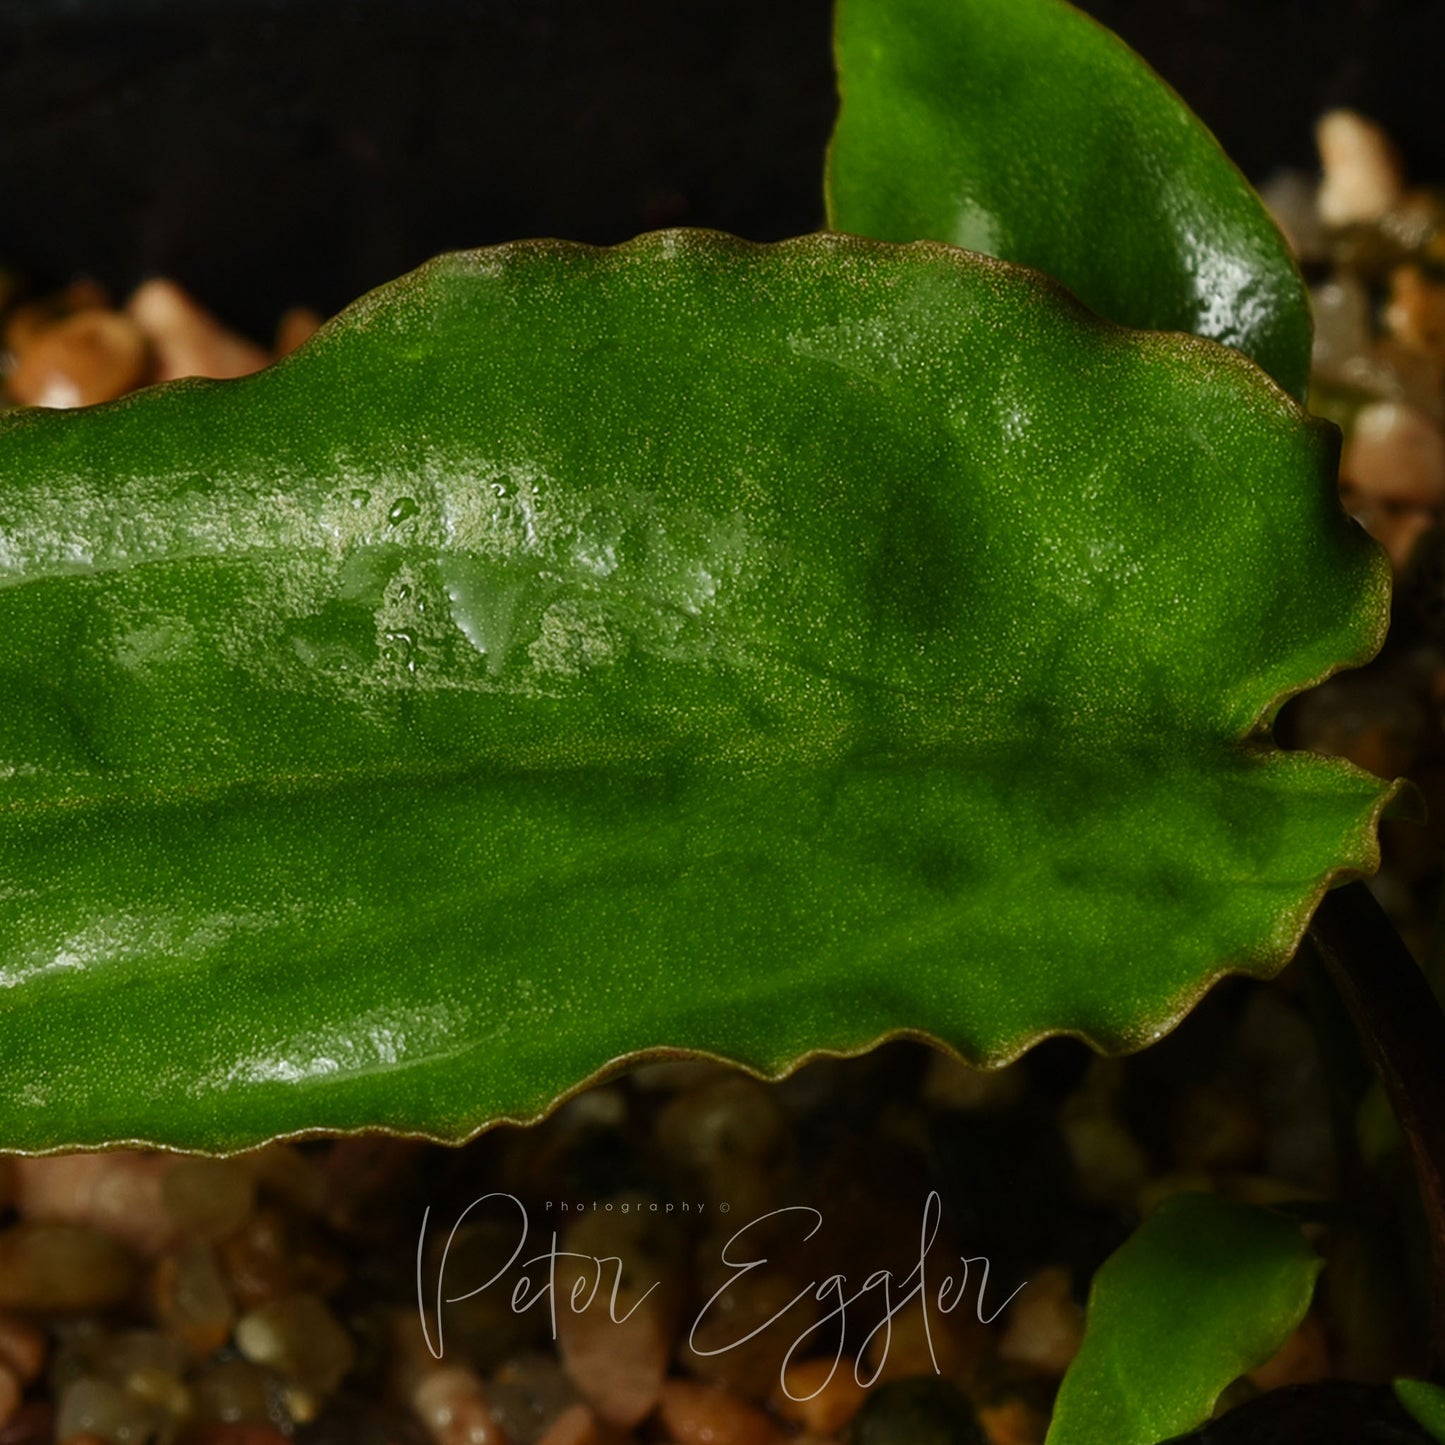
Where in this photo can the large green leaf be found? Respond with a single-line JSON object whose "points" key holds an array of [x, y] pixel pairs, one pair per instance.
{"points": [[573, 652], [1205, 1289], [1024, 129]]}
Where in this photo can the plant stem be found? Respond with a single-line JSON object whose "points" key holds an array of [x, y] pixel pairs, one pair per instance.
{"points": [[1403, 1030]]}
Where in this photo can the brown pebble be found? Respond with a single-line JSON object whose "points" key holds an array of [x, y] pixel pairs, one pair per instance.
{"points": [[26, 322], [276, 1254], [236, 1434], [1216, 1128], [23, 1347], [62, 1268], [1013, 1422], [1045, 1325], [1303, 1359], [208, 1199], [12, 1392], [32, 1424], [190, 1299], [1398, 529], [117, 1192], [90, 357], [452, 1403], [951, 1343], [1362, 174], [1395, 453], [186, 339], [822, 1395], [1415, 313], [695, 1414], [296, 326]]}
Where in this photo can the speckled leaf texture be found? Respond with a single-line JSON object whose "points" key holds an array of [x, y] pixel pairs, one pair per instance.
{"points": [[1204, 1290], [1024, 129], [574, 653]]}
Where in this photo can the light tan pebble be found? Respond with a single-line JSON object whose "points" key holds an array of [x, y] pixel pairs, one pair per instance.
{"points": [[1395, 453], [1110, 1162], [1292, 199], [209, 1199], [1362, 175], [299, 1337], [296, 326], [1303, 1359], [62, 1268], [1415, 313], [1216, 1128], [1013, 1422], [694, 1414], [822, 1395], [951, 1343], [12, 1393], [190, 1300], [951, 1084], [578, 1425], [90, 357], [1045, 1325], [94, 1405], [23, 1347], [451, 1403], [186, 339], [117, 1192], [618, 1367], [1343, 329]]}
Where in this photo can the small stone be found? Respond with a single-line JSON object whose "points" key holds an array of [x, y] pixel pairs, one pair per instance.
{"points": [[452, 1403], [952, 1084], [12, 1392], [1110, 1162], [1343, 330], [103, 1408], [90, 357], [822, 1395], [123, 1356], [618, 1367], [60, 1268], [186, 339], [1045, 1325], [117, 1192], [1013, 1421], [190, 1299], [288, 1175], [233, 1392], [23, 1347], [1415, 313], [1303, 1359], [696, 1414], [527, 1395], [208, 1199], [275, 1254], [925, 1411], [579, 1426], [951, 1343], [300, 1338], [32, 1424], [1362, 175], [1400, 530], [732, 1136], [252, 1432], [1292, 199], [1216, 1128], [296, 326], [1396, 453]]}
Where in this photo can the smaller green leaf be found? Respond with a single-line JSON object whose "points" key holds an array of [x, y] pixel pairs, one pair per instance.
{"points": [[1026, 130], [1205, 1289], [1425, 1402]]}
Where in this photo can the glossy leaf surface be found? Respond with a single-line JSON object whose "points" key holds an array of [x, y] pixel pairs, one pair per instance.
{"points": [[573, 653], [1204, 1290], [1024, 129], [1425, 1402]]}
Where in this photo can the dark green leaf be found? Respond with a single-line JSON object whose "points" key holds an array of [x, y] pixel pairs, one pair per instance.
{"points": [[1204, 1290], [574, 653], [1024, 129]]}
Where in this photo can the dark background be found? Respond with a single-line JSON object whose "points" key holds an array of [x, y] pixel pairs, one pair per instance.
{"points": [[271, 152]]}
